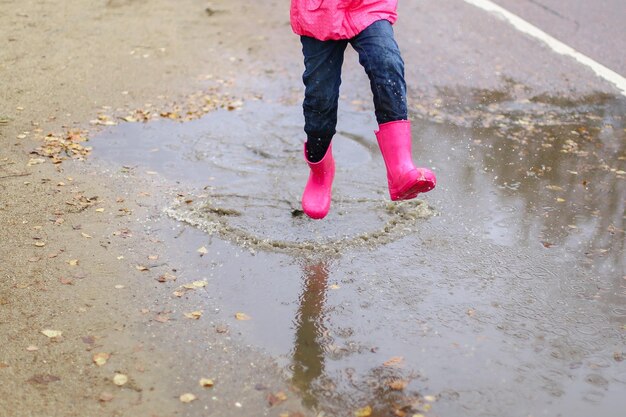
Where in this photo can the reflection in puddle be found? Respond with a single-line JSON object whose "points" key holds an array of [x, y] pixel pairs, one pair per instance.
{"points": [[511, 298], [308, 351]]}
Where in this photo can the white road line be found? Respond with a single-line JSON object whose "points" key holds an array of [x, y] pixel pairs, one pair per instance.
{"points": [[556, 45]]}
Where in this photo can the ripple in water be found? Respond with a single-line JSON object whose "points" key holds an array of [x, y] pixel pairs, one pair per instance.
{"points": [[275, 225]]}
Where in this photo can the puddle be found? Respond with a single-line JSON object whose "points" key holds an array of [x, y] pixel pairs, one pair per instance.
{"points": [[502, 292]]}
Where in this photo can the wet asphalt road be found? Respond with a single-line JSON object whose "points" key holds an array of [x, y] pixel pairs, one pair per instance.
{"points": [[595, 29], [500, 293]]}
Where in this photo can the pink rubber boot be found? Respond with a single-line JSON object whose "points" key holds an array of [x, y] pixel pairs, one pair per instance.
{"points": [[317, 193], [405, 181]]}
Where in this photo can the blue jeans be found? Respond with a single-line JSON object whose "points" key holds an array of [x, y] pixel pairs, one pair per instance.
{"points": [[380, 56]]}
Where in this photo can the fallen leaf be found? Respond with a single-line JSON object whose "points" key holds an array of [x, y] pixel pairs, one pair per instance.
{"points": [[85, 235], [187, 398], [166, 277], [554, 188], [32, 348], [105, 397], [120, 379], [100, 210], [153, 257], [124, 233], [43, 379], [119, 287], [178, 293], [194, 315], [66, 281], [142, 268], [221, 329], [206, 382], [397, 384], [203, 251], [35, 161], [396, 360], [430, 398], [101, 358], [242, 316], [334, 287], [40, 244], [196, 284], [52, 333], [277, 398], [363, 412], [162, 318], [73, 262]]}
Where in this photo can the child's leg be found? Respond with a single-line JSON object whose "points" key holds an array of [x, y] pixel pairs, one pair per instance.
{"points": [[322, 78], [380, 56]]}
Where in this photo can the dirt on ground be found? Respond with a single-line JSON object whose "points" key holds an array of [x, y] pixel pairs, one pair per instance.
{"points": [[82, 333]]}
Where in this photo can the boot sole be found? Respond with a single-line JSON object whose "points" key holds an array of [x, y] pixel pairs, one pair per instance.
{"points": [[413, 190]]}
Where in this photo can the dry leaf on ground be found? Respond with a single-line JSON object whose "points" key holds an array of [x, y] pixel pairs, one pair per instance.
{"points": [[166, 277], [363, 412], [397, 384], [194, 315], [187, 398], [206, 382], [52, 333], [195, 285], [277, 398], [100, 358], [394, 361], [242, 316], [162, 318], [120, 379]]}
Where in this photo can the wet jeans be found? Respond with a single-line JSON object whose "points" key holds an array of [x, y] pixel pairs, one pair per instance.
{"points": [[379, 55]]}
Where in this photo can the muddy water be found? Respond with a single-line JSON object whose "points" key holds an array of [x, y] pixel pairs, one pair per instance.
{"points": [[502, 292]]}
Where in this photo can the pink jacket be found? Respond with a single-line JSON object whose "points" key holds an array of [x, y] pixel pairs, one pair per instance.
{"points": [[339, 19]]}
